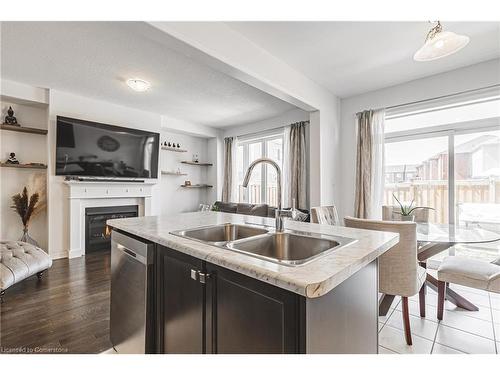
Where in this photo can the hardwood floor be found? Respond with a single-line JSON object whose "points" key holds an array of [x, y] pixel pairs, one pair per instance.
{"points": [[65, 312]]}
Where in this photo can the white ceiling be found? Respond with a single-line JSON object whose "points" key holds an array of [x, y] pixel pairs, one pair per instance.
{"points": [[95, 58], [350, 58]]}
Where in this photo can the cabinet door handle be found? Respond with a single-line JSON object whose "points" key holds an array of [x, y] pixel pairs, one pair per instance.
{"points": [[200, 276], [194, 275], [203, 277]]}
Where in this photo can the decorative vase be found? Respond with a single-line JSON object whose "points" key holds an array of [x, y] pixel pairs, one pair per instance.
{"points": [[27, 238], [407, 217]]}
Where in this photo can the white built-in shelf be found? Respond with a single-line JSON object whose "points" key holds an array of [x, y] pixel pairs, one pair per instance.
{"points": [[194, 163], [175, 149], [24, 166], [23, 129], [197, 186], [173, 173], [40, 102]]}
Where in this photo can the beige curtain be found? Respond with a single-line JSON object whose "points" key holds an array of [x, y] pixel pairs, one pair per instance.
{"points": [[369, 164], [227, 186], [296, 162]]}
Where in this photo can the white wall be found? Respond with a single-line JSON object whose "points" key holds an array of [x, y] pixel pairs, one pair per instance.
{"points": [[226, 50], [468, 78]]}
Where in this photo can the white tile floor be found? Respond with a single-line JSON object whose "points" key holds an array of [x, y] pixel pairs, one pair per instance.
{"points": [[459, 332]]}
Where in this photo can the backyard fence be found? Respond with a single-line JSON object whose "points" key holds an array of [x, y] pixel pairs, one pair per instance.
{"points": [[434, 193]]}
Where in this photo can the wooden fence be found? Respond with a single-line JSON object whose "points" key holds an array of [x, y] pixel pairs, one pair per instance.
{"points": [[255, 197], [434, 193]]}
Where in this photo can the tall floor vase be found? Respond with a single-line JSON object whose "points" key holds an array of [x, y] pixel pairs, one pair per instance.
{"points": [[27, 238]]}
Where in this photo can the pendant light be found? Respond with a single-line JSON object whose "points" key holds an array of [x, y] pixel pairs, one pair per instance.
{"points": [[439, 43]]}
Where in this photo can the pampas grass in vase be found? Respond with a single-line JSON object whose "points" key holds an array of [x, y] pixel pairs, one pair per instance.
{"points": [[26, 207]]}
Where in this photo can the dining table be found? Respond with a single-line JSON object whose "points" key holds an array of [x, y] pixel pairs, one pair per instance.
{"points": [[433, 239]]}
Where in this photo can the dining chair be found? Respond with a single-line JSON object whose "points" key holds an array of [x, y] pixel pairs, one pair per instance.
{"points": [[325, 215], [392, 213], [399, 272], [468, 272]]}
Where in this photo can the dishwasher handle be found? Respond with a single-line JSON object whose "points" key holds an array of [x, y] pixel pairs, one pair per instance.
{"points": [[132, 247], [132, 254]]}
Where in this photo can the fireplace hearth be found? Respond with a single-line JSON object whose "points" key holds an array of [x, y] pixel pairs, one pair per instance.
{"points": [[97, 233]]}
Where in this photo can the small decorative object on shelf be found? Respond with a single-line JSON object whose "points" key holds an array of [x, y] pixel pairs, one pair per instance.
{"points": [[10, 119], [169, 144], [12, 159], [187, 183], [27, 207], [165, 143], [195, 158], [178, 145]]}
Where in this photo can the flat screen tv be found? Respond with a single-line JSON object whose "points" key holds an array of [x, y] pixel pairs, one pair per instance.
{"points": [[85, 148]]}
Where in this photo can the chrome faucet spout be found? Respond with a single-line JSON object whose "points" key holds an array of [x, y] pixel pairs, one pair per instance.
{"points": [[280, 214], [251, 167]]}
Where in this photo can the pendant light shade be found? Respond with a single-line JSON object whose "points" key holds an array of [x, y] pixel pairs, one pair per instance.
{"points": [[440, 44]]}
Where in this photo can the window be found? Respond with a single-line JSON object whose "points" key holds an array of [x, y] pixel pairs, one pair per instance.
{"points": [[448, 159], [263, 182]]}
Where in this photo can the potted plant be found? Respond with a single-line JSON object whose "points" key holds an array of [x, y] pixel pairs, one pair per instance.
{"points": [[26, 207], [407, 211]]}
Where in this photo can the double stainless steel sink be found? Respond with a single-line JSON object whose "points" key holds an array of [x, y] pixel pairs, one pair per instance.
{"points": [[290, 248]]}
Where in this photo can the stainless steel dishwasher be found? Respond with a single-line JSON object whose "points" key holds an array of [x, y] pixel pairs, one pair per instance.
{"points": [[131, 317]]}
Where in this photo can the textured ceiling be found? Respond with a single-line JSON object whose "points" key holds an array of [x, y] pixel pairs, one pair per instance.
{"points": [[95, 58], [350, 58]]}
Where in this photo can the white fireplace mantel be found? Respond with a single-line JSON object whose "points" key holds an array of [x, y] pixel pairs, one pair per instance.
{"points": [[83, 194]]}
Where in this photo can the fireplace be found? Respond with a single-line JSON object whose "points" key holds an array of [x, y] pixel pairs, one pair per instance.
{"points": [[97, 233]]}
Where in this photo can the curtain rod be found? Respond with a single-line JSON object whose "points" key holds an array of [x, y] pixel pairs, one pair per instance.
{"points": [[439, 97]]}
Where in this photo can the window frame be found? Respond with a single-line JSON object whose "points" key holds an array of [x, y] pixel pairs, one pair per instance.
{"points": [[261, 138]]}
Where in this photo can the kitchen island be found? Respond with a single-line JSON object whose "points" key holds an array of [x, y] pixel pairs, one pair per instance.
{"points": [[204, 298]]}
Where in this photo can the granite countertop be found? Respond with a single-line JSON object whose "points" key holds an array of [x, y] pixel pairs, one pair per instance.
{"points": [[311, 280]]}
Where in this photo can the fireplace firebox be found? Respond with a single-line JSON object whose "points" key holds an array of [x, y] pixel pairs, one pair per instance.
{"points": [[97, 233]]}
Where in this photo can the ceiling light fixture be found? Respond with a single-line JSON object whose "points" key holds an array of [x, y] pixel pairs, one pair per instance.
{"points": [[139, 85], [439, 43]]}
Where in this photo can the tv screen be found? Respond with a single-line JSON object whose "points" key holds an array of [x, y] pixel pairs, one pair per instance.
{"points": [[85, 148]]}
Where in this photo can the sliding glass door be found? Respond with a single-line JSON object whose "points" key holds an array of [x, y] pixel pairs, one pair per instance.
{"points": [[448, 159], [417, 169], [477, 188]]}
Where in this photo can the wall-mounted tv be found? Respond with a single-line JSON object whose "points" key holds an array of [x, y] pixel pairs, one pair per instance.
{"points": [[85, 148]]}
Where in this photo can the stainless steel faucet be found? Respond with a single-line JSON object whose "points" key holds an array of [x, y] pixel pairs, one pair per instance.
{"points": [[280, 214]]}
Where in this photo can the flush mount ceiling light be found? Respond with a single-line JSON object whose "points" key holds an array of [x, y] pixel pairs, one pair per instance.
{"points": [[139, 85], [439, 43]]}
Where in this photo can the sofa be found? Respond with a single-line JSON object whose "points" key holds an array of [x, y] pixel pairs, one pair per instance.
{"points": [[262, 210], [20, 260]]}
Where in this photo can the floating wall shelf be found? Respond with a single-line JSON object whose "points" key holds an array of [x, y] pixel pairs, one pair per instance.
{"points": [[197, 186], [173, 173], [175, 149], [25, 166], [23, 129], [194, 163]]}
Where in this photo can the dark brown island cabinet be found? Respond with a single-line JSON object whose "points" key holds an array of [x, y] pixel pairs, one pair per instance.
{"points": [[200, 307]]}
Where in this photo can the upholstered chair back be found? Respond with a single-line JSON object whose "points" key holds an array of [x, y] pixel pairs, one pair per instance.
{"points": [[398, 268], [325, 215], [391, 213]]}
